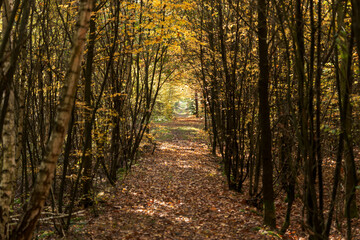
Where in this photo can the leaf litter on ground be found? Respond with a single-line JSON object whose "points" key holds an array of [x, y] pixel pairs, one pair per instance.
{"points": [[179, 192]]}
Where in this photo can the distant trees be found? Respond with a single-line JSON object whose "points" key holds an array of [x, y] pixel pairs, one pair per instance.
{"points": [[310, 119], [45, 176], [279, 82], [98, 104]]}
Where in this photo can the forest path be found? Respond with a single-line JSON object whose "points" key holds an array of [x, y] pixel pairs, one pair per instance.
{"points": [[178, 192]]}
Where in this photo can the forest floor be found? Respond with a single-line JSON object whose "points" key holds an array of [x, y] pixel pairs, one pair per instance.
{"points": [[178, 192]]}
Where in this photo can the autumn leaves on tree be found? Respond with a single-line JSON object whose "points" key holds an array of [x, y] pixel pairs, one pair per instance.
{"points": [[276, 82], [303, 106]]}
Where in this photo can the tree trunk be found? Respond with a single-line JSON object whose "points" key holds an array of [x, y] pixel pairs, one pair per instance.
{"points": [[345, 48], [12, 130], [8, 171], [264, 119], [356, 23], [45, 175], [196, 104], [7, 166], [87, 152]]}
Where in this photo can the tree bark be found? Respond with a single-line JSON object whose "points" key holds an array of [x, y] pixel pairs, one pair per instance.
{"points": [[196, 104], [7, 166], [87, 152], [45, 176], [356, 22], [345, 49], [12, 133], [264, 118], [8, 171]]}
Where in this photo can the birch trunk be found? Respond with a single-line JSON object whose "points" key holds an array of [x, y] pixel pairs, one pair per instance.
{"points": [[8, 166], [8, 170]]}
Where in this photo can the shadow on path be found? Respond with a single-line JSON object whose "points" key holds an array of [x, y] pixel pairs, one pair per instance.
{"points": [[177, 193]]}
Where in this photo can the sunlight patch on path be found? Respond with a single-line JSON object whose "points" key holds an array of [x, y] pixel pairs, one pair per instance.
{"points": [[178, 193]]}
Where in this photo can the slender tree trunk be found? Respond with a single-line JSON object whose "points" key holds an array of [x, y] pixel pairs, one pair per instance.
{"points": [[345, 50], [67, 150], [87, 152], [229, 148], [264, 118], [196, 104], [318, 113], [356, 22], [8, 165], [8, 171], [12, 130], [45, 175]]}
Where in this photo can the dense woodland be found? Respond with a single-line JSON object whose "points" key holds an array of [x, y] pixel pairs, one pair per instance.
{"points": [[276, 82]]}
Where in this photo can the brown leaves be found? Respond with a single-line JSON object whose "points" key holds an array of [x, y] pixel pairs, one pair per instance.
{"points": [[178, 193]]}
